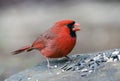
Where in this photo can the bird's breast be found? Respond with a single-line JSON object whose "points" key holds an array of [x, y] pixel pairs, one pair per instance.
{"points": [[66, 44]]}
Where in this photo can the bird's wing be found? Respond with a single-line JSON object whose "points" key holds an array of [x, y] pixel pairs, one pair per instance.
{"points": [[43, 39]]}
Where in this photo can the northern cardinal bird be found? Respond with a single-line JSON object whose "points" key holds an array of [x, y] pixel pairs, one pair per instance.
{"points": [[56, 42]]}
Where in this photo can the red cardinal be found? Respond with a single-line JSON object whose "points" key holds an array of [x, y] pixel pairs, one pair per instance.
{"points": [[56, 42]]}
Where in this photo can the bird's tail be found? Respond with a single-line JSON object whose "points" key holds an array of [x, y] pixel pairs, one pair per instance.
{"points": [[26, 48]]}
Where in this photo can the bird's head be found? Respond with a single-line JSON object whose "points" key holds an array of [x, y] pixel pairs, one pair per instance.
{"points": [[71, 25]]}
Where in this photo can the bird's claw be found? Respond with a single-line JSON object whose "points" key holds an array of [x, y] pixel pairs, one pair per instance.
{"points": [[52, 67]]}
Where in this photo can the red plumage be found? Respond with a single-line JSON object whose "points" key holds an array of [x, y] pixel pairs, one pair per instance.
{"points": [[56, 42]]}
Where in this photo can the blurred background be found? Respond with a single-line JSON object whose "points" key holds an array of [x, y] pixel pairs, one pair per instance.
{"points": [[22, 21]]}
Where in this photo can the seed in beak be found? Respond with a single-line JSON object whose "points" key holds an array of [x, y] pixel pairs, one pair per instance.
{"points": [[76, 28]]}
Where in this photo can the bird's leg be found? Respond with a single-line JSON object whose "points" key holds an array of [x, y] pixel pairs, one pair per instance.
{"points": [[48, 64], [68, 58]]}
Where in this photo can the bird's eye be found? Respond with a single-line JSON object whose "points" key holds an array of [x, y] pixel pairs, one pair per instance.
{"points": [[71, 24]]}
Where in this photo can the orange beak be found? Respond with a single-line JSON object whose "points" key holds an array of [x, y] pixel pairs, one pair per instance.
{"points": [[76, 28]]}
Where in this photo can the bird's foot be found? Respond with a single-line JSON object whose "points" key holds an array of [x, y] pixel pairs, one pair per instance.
{"points": [[52, 67]]}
